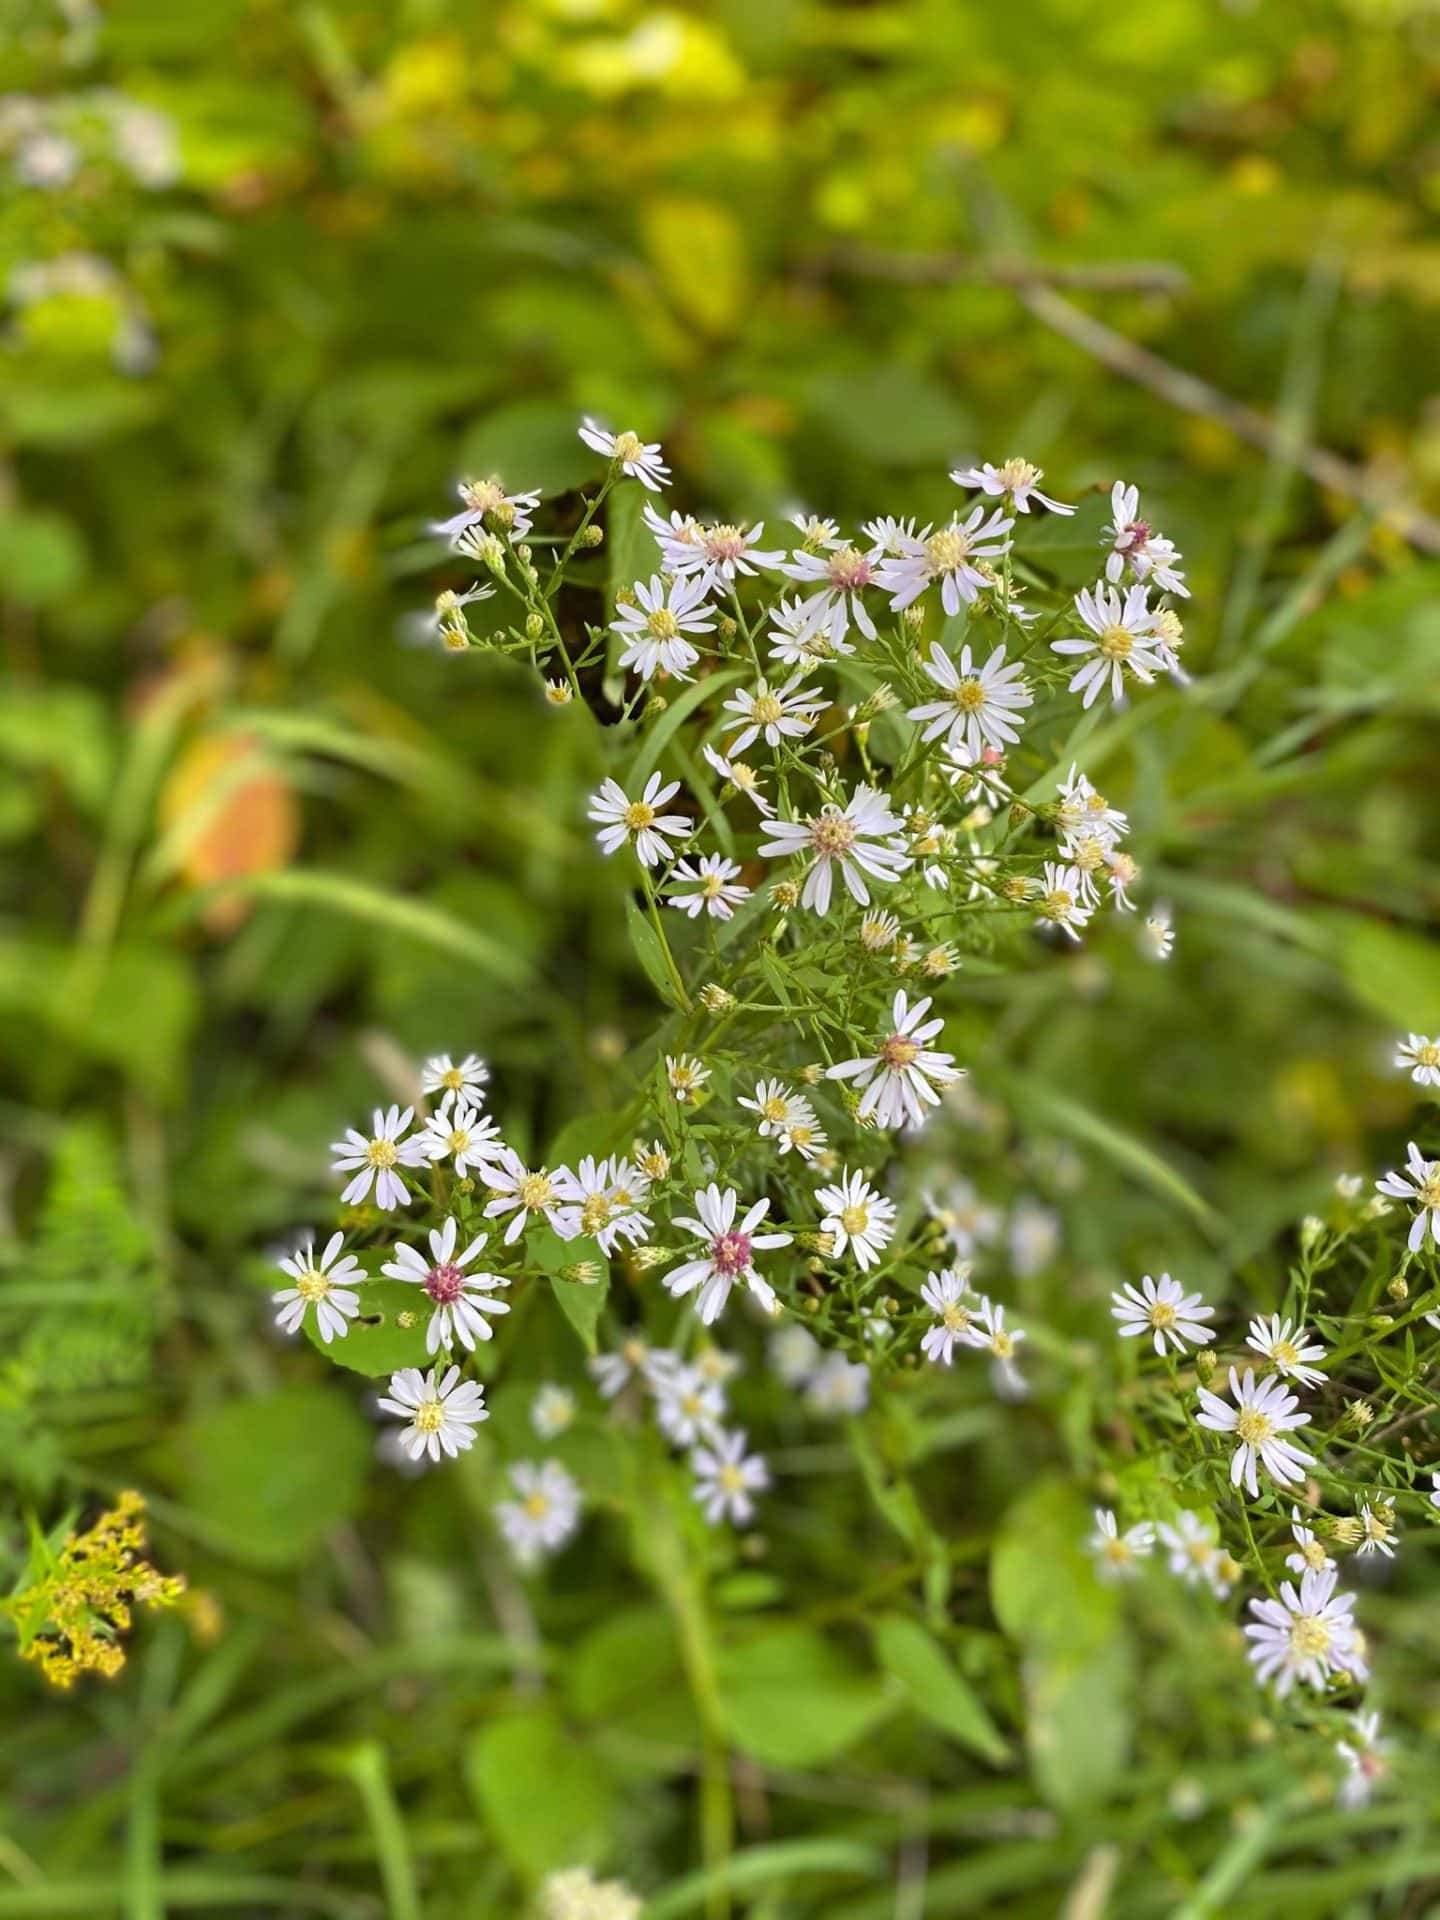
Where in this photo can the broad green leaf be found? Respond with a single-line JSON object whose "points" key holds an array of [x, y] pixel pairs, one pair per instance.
{"points": [[132, 1007], [648, 950], [679, 709], [581, 1301], [42, 557], [1393, 972], [934, 1687], [1042, 1585], [626, 1676], [1078, 1721], [697, 248], [546, 1798], [791, 1698], [388, 1334]]}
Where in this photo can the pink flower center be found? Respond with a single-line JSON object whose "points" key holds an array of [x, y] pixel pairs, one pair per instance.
{"points": [[1137, 533], [730, 1253], [444, 1284], [850, 569], [899, 1051]]}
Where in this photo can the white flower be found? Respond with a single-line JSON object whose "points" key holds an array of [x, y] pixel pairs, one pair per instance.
{"points": [[838, 1387], [901, 1077], [979, 704], [786, 715], [441, 1416], [796, 638], [1364, 1756], [1422, 1189], [1063, 898], [1157, 935], [623, 819], [863, 838], [523, 1193], [730, 1253], [378, 1157], [686, 1076], [794, 1354], [959, 556], [978, 773], [1165, 1310], [726, 1477], [1126, 640], [558, 693], [441, 1075], [688, 1407], [1420, 1058], [467, 1137], [633, 1359], [638, 458], [716, 891], [1283, 1344], [718, 553], [1303, 1636], [326, 1284], [786, 1118], [552, 1410], [487, 504], [802, 1133], [1016, 481], [742, 777], [1260, 1416], [601, 1199], [654, 631], [1380, 1529], [1435, 1483], [858, 1216], [1084, 811], [545, 1513], [1149, 556], [1309, 1550], [878, 931], [1192, 1546], [1002, 1344], [1034, 1236], [575, 1894], [461, 1299], [839, 576], [968, 1222], [446, 623], [1117, 1555], [950, 1299]]}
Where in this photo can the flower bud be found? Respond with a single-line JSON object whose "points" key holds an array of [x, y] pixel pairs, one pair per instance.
{"points": [[1312, 1230], [1344, 1528], [592, 536], [914, 617], [785, 894], [1204, 1366], [558, 693], [654, 706], [1399, 1288], [715, 999], [1017, 888], [880, 701], [727, 627], [1359, 1414], [534, 625], [642, 1259], [811, 1074], [625, 597]]}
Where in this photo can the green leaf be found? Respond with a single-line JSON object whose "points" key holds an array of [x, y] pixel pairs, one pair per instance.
{"points": [[547, 1799], [42, 557], [754, 1867], [626, 1675], [377, 1343], [649, 951], [1394, 973], [581, 1301], [935, 1689], [1078, 1722], [791, 1699], [1042, 1585], [647, 756], [132, 1007]]}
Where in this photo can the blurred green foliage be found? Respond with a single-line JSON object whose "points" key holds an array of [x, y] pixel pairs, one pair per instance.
{"points": [[258, 854]]}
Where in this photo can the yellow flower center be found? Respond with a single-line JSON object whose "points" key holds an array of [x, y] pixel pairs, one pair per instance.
{"points": [[381, 1153], [1285, 1353], [537, 1505], [1017, 473], [801, 1136], [1162, 1315], [767, 710], [1309, 1637], [662, 625], [955, 1319], [899, 1050], [312, 1285], [430, 1416], [534, 1191], [1117, 1551], [711, 886], [1313, 1554], [452, 1080], [1428, 1192], [855, 1219], [1116, 643], [458, 1141], [832, 833], [774, 1109], [969, 696], [947, 549], [628, 445], [1002, 1346], [595, 1212], [638, 815], [731, 1479], [1059, 904], [1253, 1427]]}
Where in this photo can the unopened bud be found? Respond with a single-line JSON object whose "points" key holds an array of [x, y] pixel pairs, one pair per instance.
{"points": [[1205, 1365], [810, 1304], [1312, 1229], [654, 706], [625, 597], [642, 1259], [890, 1306], [527, 554], [1017, 888], [1345, 1529], [1359, 1414], [811, 1074], [878, 702], [728, 628], [817, 1242], [715, 998], [1382, 1322], [534, 625], [914, 617], [1399, 1288], [592, 536], [586, 1272], [785, 894]]}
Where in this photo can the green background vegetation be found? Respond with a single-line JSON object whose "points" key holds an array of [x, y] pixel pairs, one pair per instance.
{"points": [[258, 853]]}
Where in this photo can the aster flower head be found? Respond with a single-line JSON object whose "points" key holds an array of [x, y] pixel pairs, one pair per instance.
{"points": [[1283, 1344], [1306, 1634], [860, 1218], [621, 819], [794, 1353], [1364, 1755], [463, 1301], [326, 1283], [552, 1411], [967, 1221], [688, 1406], [1125, 641], [838, 1388], [1192, 1546], [446, 625], [774, 1107], [1134, 544], [1118, 1555], [742, 776], [729, 1253], [864, 839], [1309, 1554], [1419, 1185], [978, 704], [1420, 1058], [1377, 1521], [633, 1359], [638, 459], [800, 636], [1082, 810], [727, 1478], [788, 714], [719, 553], [654, 630], [463, 1135], [1065, 899], [1157, 934], [524, 1193], [440, 1412], [379, 1158], [949, 1297], [900, 1079], [1259, 1419], [601, 1199], [977, 774], [686, 1076], [468, 1077], [544, 1513], [959, 555], [1015, 481], [837, 577], [1002, 1343], [1163, 1309], [709, 885], [486, 504]]}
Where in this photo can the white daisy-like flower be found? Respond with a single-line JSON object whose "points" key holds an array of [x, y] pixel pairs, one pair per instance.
{"points": [[720, 552], [440, 1074], [1163, 1309], [1084, 811], [1002, 1343], [798, 639], [379, 1157], [1062, 900], [576, 1894], [633, 1359], [1157, 935], [967, 1221], [729, 1255], [838, 1388], [727, 1478], [863, 838], [654, 631], [979, 774], [1377, 1518], [786, 715], [1135, 544], [708, 885], [487, 504], [1420, 1186], [1259, 1419], [959, 555], [815, 530], [1192, 1546], [802, 1133], [544, 1513], [463, 1135], [688, 1407], [879, 931], [1309, 1548], [639, 459], [1420, 1058], [327, 1284], [794, 1353], [1304, 1635], [900, 1079], [461, 1300], [602, 1199], [887, 535], [1283, 1344], [1122, 873], [445, 624], [1016, 481], [1126, 640], [949, 1297], [860, 1218], [622, 819], [742, 777], [441, 1415], [552, 1411], [1034, 1237], [525, 1193], [1364, 1757], [979, 704], [1118, 1555], [774, 1105], [838, 578], [686, 1076]]}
